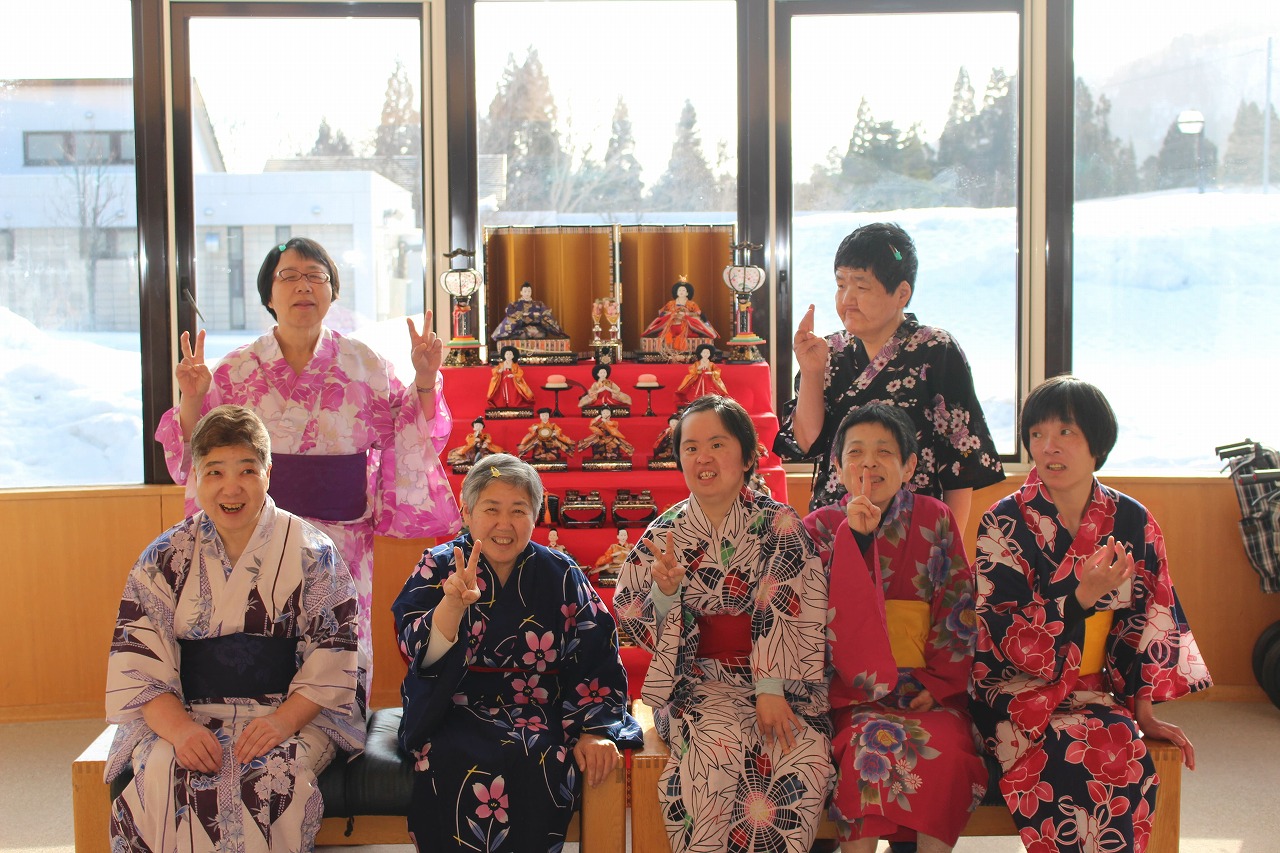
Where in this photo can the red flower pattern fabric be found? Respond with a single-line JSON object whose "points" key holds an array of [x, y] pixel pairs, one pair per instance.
{"points": [[1077, 776]]}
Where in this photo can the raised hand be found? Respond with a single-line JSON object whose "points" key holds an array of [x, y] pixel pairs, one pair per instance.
{"points": [[810, 349], [1105, 570], [461, 586], [864, 516], [668, 574], [427, 351], [193, 375]]}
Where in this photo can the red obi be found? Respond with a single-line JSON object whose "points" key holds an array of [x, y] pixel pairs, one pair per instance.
{"points": [[724, 637]]}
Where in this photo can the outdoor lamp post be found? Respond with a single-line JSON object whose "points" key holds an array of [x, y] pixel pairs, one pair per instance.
{"points": [[1192, 122]]}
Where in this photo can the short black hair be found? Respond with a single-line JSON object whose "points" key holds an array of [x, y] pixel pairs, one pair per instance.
{"points": [[735, 420], [888, 416], [309, 249], [542, 409], [1073, 401], [478, 421], [885, 249]]}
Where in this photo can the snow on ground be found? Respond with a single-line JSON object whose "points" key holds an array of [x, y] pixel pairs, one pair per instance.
{"points": [[1175, 294]]}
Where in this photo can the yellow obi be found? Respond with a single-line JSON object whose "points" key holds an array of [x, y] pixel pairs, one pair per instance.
{"points": [[1096, 630], [909, 624]]}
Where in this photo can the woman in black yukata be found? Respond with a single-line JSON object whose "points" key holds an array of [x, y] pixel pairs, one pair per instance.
{"points": [[885, 355], [515, 688]]}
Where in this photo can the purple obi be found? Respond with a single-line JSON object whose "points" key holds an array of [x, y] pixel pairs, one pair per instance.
{"points": [[330, 488]]}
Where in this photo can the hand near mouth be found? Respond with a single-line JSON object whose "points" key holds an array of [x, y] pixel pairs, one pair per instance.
{"points": [[864, 516]]}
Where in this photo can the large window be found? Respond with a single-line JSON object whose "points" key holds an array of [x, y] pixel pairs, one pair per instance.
{"points": [[932, 145], [606, 111], [1174, 273], [330, 150], [70, 377]]}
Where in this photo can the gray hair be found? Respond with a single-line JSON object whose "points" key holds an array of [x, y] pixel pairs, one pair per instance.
{"points": [[505, 468], [230, 426]]}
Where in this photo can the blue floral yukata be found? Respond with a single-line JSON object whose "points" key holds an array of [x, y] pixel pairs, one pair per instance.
{"points": [[492, 724]]}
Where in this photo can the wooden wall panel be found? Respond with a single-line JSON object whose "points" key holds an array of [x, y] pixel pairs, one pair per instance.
{"points": [[67, 555], [68, 552]]}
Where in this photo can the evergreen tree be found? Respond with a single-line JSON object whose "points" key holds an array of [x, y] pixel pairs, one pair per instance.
{"points": [[330, 144], [400, 130], [994, 159], [1176, 165], [614, 185], [1242, 163], [957, 137], [688, 184], [521, 126], [1103, 166]]}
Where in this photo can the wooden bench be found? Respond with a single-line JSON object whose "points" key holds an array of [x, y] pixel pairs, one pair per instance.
{"points": [[372, 781], [649, 833]]}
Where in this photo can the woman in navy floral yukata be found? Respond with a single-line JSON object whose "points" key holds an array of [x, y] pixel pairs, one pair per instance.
{"points": [[1079, 634]]}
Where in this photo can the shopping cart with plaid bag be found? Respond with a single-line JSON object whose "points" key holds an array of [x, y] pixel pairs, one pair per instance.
{"points": [[1255, 471]]}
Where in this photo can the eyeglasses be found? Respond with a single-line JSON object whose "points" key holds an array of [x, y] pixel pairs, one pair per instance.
{"points": [[292, 275]]}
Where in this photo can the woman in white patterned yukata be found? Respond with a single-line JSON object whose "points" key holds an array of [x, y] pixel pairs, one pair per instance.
{"points": [[355, 452], [232, 674], [726, 591], [884, 355]]}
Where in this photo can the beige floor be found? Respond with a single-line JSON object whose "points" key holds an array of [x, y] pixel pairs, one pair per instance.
{"points": [[1230, 804]]}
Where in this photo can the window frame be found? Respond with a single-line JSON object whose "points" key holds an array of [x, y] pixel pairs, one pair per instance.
{"points": [[115, 147]]}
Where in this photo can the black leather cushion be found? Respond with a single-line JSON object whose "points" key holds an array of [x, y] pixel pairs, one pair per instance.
{"points": [[379, 782]]}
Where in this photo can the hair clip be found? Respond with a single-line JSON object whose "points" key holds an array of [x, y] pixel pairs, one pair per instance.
{"points": [[281, 247], [897, 256], [493, 471]]}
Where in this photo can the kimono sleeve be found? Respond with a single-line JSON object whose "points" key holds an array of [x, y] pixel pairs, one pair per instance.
{"points": [[789, 617], [411, 489], [144, 659], [427, 691], [965, 454], [330, 674], [857, 631], [1157, 657], [784, 443], [1016, 624], [638, 616], [593, 682], [948, 651]]}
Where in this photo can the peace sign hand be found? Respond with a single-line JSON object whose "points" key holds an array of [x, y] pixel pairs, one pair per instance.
{"points": [[810, 349], [427, 351], [461, 588], [193, 375], [667, 571], [864, 516], [1105, 570]]}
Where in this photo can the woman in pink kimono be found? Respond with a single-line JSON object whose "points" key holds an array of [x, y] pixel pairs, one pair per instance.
{"points": [[726, 592], [908, 759], [1080, 634], [355, 452]]}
